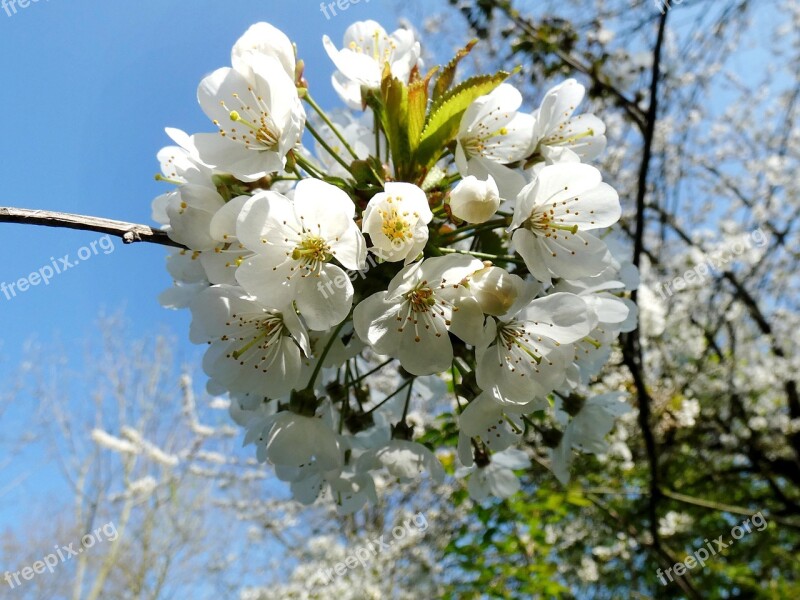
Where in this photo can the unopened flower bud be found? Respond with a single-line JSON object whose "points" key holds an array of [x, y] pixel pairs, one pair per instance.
{"points": [[494, 289], [475, 201]]}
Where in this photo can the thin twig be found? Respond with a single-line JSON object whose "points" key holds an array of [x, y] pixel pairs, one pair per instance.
{"points": [[130, 233]]}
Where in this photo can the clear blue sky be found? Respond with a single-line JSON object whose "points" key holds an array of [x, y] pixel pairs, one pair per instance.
{"points": [[87, 89]]}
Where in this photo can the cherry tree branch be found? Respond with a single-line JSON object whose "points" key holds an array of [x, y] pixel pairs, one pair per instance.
{"points": [[129, 233], [628, 105], [632, 350]]}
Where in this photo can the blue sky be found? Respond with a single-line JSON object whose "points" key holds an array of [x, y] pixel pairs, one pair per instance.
{"points": [[87, 89]]}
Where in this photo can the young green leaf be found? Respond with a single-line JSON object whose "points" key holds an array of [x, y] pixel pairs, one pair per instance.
{"points": [[448, 74], [445, 115]]}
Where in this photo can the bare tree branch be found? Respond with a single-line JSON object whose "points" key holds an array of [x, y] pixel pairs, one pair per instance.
{"points": [[629, 106], [130, 233], [632, 350]]}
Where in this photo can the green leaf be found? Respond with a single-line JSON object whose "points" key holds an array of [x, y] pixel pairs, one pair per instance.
{"points": [[448, 74], [395, 121], [576, 497], [490, 242], [417, 103], [445, 115], [417, 108]]}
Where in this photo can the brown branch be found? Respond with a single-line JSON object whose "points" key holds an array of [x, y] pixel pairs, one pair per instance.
{"points": [[628, 105], [632, 350], [130, 233]]}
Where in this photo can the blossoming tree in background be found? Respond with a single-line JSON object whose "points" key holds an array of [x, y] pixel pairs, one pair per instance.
{"points": [[701, 107]]}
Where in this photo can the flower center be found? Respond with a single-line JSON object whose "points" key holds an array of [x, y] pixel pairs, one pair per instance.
{"points": [[475, 144], [260, 131], [544, 222], [382, 49], [421, 299], [514, 338], [559, 140], [312, 250], [265, 131], [258, 335], [394, 225], [424, 312], [267, 135]]}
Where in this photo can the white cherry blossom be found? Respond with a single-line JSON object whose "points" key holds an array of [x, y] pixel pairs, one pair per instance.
{"points": [[475, 201], [290, 440], [493, 134], [497, 478], [396, 221], [524, 355], [557, 128], [412, 319], [221, 262], [586, 431], [552, 216], [366, 49], [294, 243], [187, 212], [404, 460], [305, 328], [260, 119], [253, 348], [486, 421], [189, 279], [181, 163], [497, 291], [263, 40], [351, 491]]}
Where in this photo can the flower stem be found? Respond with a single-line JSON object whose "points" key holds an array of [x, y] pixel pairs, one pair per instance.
{"points": [[452, 179], [327, 147], [467, 232], [377, 131], [392, 395], [501, 258], [363, 377], [463, 368], [307, 97], [408, 400], [328, 346], [308, 167]]}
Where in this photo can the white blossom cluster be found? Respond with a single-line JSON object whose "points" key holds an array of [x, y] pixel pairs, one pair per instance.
{"points": [[430, 229]]}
